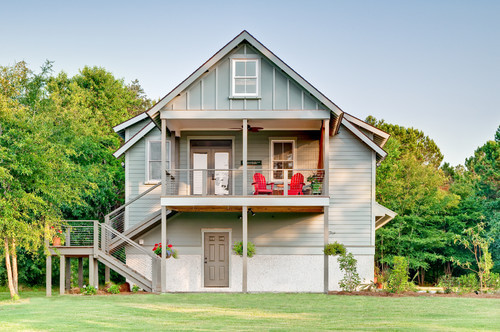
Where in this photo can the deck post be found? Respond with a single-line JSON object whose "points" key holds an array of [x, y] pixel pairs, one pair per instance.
{"points": [[48, 275], [107, 274], [91, 270], [96, 273], [62, 272], [245, 157], [326, 185], [68, 273], [163, 208], [80, 272], [244, 214]]}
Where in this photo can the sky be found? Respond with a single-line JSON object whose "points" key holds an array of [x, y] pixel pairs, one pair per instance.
{"points": [[430, 64]]}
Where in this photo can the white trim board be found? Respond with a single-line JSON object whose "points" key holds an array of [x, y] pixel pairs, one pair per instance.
{"points": [[124, 125], [382, 134], [143, 132], [250, 115], [381, 154], [245, 200]]}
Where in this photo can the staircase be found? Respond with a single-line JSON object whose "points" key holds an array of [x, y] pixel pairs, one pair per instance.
{"points": [[112, 243]]}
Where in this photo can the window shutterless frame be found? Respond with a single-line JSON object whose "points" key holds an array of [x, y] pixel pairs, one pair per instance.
{"points": [[245, 78], [153, 160], [274, 159]]}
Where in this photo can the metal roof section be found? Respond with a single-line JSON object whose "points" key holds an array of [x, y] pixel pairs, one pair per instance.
{"points": [[243, 36], [120, 128], [380, 136], [382, 215], [381, 154], [134, 139]]}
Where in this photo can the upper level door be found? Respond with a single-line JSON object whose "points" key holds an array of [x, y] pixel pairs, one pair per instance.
{"points": [[209, 161]]}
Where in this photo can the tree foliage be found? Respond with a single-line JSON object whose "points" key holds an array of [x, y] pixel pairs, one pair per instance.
{"points": [[56, 144]]}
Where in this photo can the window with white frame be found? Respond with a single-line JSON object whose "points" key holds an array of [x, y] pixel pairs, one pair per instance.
{"points": [[282, 158], [245, 80], [153, 150]]}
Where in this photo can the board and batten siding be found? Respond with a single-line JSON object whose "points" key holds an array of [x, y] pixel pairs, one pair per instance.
{"points": [[135, 180], [272, 233], [351, 219], [212, 91]]}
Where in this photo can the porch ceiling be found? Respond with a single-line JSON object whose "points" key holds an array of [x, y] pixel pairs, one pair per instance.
{"points": [[256, 209], [179, 125]]}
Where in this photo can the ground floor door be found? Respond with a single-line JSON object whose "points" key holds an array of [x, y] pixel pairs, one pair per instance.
{"points": [[209, 160], [216, 259]]}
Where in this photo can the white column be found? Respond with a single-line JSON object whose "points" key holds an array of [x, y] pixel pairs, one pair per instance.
{"points": [[48, 275], [245, 157], [163, 208], [326, 185], [62, 274], [244, 228]]}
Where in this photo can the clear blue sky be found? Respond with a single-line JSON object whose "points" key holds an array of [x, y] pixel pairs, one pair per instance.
{"points": [[433, 65]]}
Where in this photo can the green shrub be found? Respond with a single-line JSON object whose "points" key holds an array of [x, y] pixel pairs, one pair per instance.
{"points": [[493, 281], [135, 289], [398, 279], [238, 248], [448, 282], [335, 248], [113, 289], [468, 283], [89, 290], [351, 280]]}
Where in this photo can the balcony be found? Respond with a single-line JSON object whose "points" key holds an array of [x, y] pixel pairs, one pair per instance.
{"points": [[265, 190]]}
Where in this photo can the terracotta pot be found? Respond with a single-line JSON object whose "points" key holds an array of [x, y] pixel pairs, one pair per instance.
{"points": [[375, 279], [56, 241], [379, 285]]}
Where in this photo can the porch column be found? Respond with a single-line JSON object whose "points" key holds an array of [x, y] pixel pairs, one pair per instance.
{"points": [[326, 185], [96, 273], [68, 273], [245, 157], [80, 272], [62, 272], [48, 275], [163, 208], [244, 214], [107, 274], [91, 270]]}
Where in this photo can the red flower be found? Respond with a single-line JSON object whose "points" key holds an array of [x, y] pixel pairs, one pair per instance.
{"points": [[170, 246], [59, 231]]}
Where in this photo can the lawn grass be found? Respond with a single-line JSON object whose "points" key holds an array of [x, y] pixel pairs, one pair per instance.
{"points": [[245, 312]]}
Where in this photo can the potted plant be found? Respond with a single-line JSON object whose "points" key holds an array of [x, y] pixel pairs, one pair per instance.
{"points": [[169, 252], [238, 248], [316, 183], [56, 239]]}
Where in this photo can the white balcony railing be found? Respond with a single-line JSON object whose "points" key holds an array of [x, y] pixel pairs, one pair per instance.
{"points": [[229, 182]]}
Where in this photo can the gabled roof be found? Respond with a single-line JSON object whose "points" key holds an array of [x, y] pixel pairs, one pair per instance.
{"points": [[382, 215], [379, 136], [120, 129], [134, 139], [243, 36], [381, 154]]}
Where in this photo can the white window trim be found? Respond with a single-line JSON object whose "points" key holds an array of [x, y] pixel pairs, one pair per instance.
{"points": [[271, 155], [148, 141], [235, 95]]}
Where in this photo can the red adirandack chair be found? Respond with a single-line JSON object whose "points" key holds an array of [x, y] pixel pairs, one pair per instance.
{"points": [[296, 184], [259, 182]]}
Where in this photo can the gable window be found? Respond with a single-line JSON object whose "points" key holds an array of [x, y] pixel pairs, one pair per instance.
{"points": [[282, 158], [153, 167], [245, 77]]}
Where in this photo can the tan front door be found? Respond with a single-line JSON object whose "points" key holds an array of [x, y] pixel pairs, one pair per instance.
{"points": [[216, 258]]}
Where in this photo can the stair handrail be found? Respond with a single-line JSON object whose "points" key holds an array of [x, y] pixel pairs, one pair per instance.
{"points": [[127, 240], [107, 217]]}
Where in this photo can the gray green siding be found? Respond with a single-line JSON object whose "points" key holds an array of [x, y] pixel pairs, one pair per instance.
{"points": [[212, 91]]}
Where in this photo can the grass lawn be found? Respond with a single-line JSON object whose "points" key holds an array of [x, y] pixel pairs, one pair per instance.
{"points": [[245, 312]]}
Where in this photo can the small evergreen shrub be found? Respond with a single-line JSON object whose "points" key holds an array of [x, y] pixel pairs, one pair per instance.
{"points": [[468, 283], [89, 290], [113, 289], [238, 248], [333, 249], [398, 279], [351, 280], [493, 281]]}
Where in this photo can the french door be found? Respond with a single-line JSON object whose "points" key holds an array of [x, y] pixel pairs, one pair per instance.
{"points": [[211, 163]]}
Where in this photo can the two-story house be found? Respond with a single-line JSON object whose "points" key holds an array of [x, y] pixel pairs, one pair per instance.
{"points": [[245, 149]]}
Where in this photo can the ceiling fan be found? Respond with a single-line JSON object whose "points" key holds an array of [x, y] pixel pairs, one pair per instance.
{"points": [[250, 129]]}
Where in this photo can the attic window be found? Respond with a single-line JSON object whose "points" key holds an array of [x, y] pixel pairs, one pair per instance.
{"points": [[245, 77]]}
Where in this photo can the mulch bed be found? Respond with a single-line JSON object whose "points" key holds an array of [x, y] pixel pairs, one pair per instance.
{"points": [[415, 294]]}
